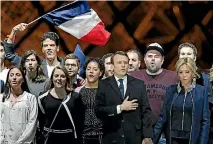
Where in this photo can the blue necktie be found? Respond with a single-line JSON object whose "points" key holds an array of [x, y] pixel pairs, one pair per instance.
{"points": [[121, 87]]}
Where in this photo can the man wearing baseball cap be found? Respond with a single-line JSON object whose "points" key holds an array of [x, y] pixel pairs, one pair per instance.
{"points": [[156, 79]]}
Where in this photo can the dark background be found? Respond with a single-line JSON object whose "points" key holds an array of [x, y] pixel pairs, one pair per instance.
{"points": [[132, 25]]}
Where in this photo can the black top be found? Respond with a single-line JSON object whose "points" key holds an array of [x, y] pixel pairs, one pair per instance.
{"points": [[62, 127], [92, 125], [181, 116], [62, 120]]}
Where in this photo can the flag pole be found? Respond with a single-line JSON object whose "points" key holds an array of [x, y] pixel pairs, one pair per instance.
{"points": [[49, 12], [35, 20]]}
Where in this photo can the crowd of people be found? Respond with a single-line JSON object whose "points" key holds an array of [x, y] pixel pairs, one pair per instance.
{"points": [[114, 102]]}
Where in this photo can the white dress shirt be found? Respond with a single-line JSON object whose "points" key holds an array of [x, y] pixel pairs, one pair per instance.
{"points": [[50, 70], [125, 87]]}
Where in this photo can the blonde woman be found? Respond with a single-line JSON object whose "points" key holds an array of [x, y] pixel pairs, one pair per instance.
{"points": [[185, 115]]}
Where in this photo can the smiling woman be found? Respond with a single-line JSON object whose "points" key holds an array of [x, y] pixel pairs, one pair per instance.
{"points": [[61, 112]]}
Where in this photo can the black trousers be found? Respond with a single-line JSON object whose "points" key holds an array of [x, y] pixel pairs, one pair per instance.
{"points": [[180, 141], [92, 139], [210, 138]]}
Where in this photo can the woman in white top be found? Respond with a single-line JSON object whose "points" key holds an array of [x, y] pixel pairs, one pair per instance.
{"points": [[18, 110]]}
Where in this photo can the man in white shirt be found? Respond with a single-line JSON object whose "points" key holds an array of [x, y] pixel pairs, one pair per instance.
{"points": [[123, 106]]}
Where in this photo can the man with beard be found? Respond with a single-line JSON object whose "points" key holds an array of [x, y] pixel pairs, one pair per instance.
{"points": [[134, 60], [72, 64], [50, 46], [155, 78], [108, 65]]}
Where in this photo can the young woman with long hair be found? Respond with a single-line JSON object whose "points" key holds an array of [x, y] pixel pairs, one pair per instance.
{"points": [[61, 113], [18, 110]]}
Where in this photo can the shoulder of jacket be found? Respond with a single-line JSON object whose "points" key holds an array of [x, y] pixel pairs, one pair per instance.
{"points": [[43, 95]]}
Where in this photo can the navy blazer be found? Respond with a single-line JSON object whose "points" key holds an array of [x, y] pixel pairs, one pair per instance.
{"points": [[200, 115], [1, 86]]}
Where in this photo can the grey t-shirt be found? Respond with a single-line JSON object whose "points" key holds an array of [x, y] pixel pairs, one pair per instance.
{"points": [[37, 88]]}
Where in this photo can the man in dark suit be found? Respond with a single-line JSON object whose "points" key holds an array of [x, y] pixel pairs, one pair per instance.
{"points": [[123, 106]]}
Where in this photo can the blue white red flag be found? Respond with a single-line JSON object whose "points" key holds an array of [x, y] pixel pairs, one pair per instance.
{"points": [[79, 20]]}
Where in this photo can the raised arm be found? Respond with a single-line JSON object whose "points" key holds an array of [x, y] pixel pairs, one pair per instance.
{"points": [[9, 45]]}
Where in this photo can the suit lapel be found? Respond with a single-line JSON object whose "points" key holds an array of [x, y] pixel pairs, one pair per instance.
{"points": [[114, 85], [129, 86]]}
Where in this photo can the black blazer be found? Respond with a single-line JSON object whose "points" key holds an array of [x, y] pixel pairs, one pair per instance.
{"points": [[128, 127]]}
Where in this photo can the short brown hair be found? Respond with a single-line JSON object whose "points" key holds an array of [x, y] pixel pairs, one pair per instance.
{"points": [[106, 56], [135, 51], [72, 56], [61, 67], [52, 36], [118, 53], [187, 45]]}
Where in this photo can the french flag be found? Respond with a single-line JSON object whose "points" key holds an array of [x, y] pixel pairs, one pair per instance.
{"points": [[79, 20]]}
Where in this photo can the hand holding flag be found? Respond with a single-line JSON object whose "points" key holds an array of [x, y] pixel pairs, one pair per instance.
{"points": [[79, 20]]}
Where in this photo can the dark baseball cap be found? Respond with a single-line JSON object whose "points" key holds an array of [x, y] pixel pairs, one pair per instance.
{"points": [[155, 46]]}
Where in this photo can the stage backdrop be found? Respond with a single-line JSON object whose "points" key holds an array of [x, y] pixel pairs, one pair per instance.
{"points": [[132, 25]]}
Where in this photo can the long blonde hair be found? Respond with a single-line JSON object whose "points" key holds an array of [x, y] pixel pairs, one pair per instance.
{"points": [[189, 62]]}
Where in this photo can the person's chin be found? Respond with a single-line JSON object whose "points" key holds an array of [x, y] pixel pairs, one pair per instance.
{"points": [[111, 74], [91, 81], [49, 56], [71, 74], [31, 70]]}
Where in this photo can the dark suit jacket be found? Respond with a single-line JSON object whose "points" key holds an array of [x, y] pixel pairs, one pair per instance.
{"points": [[1, 86], [128, 127]]}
